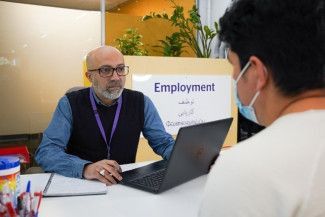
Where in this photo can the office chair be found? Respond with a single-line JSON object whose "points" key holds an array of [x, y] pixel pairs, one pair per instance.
{"points": [[72, 89]]}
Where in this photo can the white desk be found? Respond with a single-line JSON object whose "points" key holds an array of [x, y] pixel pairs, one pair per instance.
{"points": [[123, 201]]}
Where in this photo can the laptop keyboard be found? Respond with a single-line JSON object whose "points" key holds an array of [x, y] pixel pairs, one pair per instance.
{"points": [[152, 180]]}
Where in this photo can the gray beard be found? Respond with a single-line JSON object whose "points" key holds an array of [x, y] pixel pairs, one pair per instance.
{"points": [[111, 95]]}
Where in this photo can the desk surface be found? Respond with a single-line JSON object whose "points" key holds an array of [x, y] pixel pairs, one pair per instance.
{"points": [[123, 201]]}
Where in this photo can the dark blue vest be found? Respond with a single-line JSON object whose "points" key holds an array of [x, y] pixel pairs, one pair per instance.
{"points": [[86, 141]]}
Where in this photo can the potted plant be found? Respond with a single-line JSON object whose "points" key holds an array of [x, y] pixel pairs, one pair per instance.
{"points": [[191, 32]]}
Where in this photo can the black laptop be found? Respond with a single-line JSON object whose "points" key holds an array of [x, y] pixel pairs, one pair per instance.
{"points": [[195, 149]]}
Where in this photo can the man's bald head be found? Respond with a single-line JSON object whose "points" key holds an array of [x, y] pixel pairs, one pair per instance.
{"points": [[107, 88], [100, 55]]}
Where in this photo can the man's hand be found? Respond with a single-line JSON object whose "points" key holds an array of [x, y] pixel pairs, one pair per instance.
{"points": [[103, 170]]}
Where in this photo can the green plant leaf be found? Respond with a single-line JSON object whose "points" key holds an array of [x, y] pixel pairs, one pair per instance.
{"points": [[188, 30], [146, 17], [207, 31], [130, 43]]}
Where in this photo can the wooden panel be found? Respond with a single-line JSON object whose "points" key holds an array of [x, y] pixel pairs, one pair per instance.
{"points": [[116, 24]]}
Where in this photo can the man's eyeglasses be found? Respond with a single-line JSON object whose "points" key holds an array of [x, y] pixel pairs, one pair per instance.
{"points": [[107, 71]]}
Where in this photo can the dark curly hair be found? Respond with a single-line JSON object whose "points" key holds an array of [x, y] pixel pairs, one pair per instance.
{"points": [[287, 35]]}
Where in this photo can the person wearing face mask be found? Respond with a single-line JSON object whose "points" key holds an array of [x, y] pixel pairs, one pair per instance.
{"points": [[247, 122], [95, 129], [277, 50]]}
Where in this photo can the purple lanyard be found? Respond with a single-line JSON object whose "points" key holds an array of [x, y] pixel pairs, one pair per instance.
{"points": [[99, 122]]}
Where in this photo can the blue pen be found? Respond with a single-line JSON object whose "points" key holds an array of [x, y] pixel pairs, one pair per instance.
{"points": [[27, 199], [28, 187]]}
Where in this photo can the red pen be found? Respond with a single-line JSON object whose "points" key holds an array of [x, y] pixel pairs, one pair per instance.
{"points": [[39, 195], [10, 209]]}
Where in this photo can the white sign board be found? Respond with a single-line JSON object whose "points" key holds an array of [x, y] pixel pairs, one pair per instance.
{"points": [[183, 100]]}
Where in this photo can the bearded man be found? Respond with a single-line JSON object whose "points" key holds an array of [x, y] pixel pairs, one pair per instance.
{"points": [[95, 129]]}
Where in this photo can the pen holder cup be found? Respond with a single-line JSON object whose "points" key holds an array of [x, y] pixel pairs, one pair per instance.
{"points": [[9, 178]]}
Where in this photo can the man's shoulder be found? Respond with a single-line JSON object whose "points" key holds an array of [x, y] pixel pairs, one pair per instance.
{"points": [[132, 94], [77, 93], [129, 91], [245, 154]]}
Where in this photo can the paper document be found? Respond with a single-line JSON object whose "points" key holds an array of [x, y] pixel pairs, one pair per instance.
{"points": [[58, 186]]}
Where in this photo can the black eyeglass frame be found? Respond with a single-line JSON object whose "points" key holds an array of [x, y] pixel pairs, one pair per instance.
{"points": [[112, 70]]}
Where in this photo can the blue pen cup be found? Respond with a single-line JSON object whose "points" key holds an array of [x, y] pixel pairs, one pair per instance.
{"points": [[10, 177]]}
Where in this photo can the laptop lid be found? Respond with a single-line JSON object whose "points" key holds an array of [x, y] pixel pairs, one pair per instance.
{"points": [[196, 148]]}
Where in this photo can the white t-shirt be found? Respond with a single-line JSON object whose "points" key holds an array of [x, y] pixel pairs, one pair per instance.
{"points": [[279, 172]]}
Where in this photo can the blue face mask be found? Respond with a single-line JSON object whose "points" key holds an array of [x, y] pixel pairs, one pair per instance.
{"points": [[247, 111]]}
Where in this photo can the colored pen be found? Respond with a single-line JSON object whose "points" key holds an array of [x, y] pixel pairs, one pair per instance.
{"points": [[10, 209], [28, 186], [39, 195], [20, 207], [28, 197]]}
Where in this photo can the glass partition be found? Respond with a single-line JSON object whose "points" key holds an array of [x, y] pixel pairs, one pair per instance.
{"points": [[41, 54]]}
